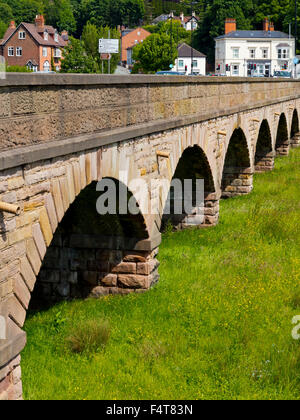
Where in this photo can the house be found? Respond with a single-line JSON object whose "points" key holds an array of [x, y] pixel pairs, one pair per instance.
{"points": [[189, 23], [130, 38], [187, 55], [253, 53], [37, 46]]}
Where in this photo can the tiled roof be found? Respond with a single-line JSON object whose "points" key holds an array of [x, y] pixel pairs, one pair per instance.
{"points": [[254, 34], [7, 34], [32, 29], [185, 50]]}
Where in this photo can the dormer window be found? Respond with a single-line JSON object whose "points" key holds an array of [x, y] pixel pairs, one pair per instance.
{"points": [[56, 37], [46, 35], [22, 35]]}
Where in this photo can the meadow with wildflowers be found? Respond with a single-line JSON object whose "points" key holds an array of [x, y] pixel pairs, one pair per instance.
{"points": [[217, 325]]}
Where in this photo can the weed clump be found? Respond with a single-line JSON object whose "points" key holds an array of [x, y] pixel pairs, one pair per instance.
{"points": [[89, 337]]}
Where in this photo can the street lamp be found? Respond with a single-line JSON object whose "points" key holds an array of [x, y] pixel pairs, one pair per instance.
{"points": [[296, 26], [192, 51]]}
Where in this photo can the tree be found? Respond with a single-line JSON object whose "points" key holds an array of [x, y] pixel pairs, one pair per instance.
{"points": [[213, 23], [25, 10], [6, 13], [3, 28], [90, 37], [59, 13], [76, 59], [155, 53]]}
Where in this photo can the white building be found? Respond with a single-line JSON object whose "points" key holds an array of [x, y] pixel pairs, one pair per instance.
{"points": [[190, 23], [253, 53], [187, 55]]}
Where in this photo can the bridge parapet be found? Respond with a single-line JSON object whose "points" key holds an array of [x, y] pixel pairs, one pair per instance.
{"points": [[40, 109]]}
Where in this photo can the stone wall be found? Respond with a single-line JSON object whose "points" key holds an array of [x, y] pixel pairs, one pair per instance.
{"points": [[80, 267], [41, 109]]}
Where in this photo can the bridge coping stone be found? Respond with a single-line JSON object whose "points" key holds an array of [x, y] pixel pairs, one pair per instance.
{"points": [[20, 79]]}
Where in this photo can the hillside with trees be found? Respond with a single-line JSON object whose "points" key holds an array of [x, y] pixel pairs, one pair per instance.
{"points": [[75, 15]]}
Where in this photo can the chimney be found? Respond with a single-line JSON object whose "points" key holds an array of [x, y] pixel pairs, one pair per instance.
{"points": [[230, 26], [182, 17], [272, 28], [40, 23], [171, 14], [193, 14], [266, 24], [12, 24]]}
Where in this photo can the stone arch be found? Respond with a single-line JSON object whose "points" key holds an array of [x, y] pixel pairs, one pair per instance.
{"points": [[237, 178], [46, 191], [193, 165], [282, 144], [295, 135], [93, 254], [264, 155]]}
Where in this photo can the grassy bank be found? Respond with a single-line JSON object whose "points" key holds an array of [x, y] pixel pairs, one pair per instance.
{"points": [[217, 326]]}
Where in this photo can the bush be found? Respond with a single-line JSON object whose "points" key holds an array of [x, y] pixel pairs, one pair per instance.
{"points": [[89, 336], [18, 69]]}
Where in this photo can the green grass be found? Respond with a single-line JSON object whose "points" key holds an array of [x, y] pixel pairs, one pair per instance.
{"points": [[217, 326]]}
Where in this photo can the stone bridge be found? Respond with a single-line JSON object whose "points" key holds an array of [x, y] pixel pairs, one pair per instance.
{"points": [[60, 134]]}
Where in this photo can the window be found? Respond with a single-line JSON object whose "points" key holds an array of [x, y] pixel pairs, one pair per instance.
{"points": [[45, 52], [46, 66], [11, 51], [252, 52], [56, 37], [235, 52], [265, 53], [19, 51], [46, 36], [22, 35], [235, 70], [57, 53], [180, 63], [195, 64], [283, 53]]}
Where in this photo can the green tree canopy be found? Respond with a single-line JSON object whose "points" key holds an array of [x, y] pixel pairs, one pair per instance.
{"points": [[76, 60], [156, 53]]}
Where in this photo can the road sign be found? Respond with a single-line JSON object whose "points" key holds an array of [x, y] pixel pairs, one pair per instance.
{"points": [[108, 46], [105, 56], [296, 60]]}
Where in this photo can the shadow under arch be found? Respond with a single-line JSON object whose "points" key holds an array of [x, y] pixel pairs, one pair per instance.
{"points": [[95, 254], [237, 178], [295, 135], [282, 145], [192, 167], [264, 155]]}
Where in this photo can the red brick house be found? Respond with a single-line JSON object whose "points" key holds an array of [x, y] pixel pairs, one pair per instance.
{"points": [[129, 39], [36, 46]]}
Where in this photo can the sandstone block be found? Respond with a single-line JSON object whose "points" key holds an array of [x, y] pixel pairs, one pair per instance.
{"points": [[39, 240], [125, 267], [33, 256], [133, 281], [108, 280]]}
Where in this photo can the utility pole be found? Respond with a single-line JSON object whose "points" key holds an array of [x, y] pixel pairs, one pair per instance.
{"points": [[192, 51], [296, 26], [171, 38]]}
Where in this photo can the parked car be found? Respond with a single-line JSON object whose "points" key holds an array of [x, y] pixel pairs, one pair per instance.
{"points": [[170, 73], [285, 74]]}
